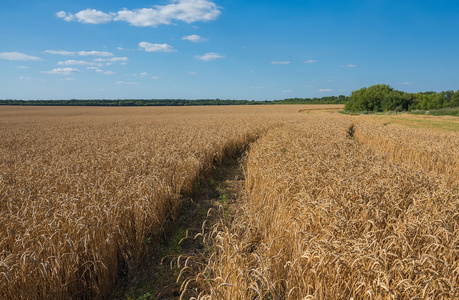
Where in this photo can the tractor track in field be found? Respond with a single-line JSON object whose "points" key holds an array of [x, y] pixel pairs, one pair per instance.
{"points": [[155, 276]]}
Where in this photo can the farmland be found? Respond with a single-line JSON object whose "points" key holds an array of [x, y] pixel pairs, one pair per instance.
{"points": [[333, 206]]}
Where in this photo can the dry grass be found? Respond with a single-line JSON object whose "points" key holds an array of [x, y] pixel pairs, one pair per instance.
{"points": [[80, 188], [327, 217], [437, 123]]}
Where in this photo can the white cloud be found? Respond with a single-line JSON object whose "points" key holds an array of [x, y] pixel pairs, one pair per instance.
{"points": [[22, 67], [191, 73], [149, 47], [311, 61], [257, 87], [348, 66], [92, 16], [98, 70], [95, 53], [280, 62], [17, 56], [59, 52], [113, 59], [62, 71], [209, 56], [407, 83], [287, 91], [125, 82], [63, 15], [142, 17], [188, 11], [325, 90], [124, 49], [87, 16], [72, 62], [81, 53], [194, 38], [24, 78], [142, 75]]}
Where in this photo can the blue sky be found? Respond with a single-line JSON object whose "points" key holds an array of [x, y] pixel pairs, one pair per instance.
{"points": [[227, 49]]}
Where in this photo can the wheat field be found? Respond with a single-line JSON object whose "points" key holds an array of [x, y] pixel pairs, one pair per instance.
{"points": [[333, 206], [334, 213], [80, 188]]}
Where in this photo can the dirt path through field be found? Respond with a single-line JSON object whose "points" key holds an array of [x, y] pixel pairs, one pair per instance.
{"points": [[156, 275]]}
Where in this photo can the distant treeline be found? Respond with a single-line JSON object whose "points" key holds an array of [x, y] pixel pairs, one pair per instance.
{"points": [[376, 98], [382, 97], [174, 102]]}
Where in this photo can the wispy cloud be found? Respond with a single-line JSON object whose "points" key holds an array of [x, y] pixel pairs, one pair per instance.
{"points": [[25, 78], [325, 90], [126, 83], [194, 38], [149, 47], [287, 91], [188, 11], [112, 59], [98, 70], [60, 52], [72, 62], [95, 53], [311, 61], [209, 56], [17, 56], [407, 83], [348, 66], [142, 75], [280, 62], [257, 87], [62, 71], [81, 53]]}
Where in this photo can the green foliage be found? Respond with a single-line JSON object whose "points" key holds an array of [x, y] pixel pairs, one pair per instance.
{"points": [[445, 112], [173, 102], [370, 98], [341, 99], [383, 98]]}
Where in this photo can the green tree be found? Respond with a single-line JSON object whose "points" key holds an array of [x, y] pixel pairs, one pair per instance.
{"points": [[370, 99]]}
